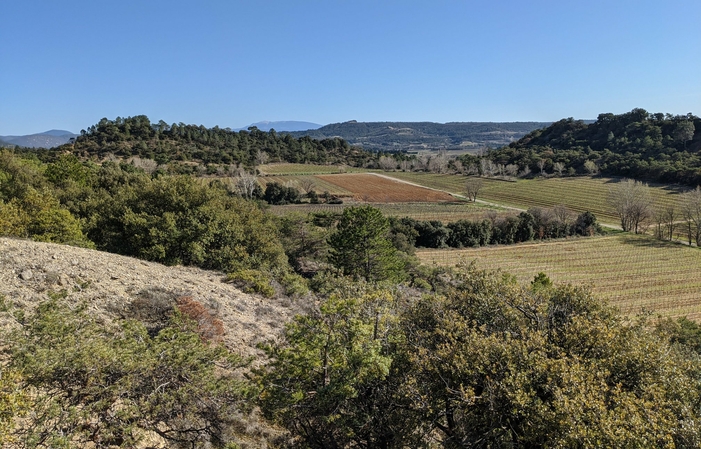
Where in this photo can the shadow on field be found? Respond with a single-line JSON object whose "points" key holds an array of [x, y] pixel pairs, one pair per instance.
{"points": [[672, 188], [646, 241]]}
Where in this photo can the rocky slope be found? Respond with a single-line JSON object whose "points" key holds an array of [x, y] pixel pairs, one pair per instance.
{"points": [[31, 271]]}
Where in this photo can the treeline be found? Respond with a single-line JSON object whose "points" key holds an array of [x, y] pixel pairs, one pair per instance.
{"points": [[163, 143], [534, 224], [638, 144]]}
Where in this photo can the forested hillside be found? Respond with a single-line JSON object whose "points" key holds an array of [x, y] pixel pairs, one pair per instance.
{"points": [[637, 144], [137, 136], [409, 136]]}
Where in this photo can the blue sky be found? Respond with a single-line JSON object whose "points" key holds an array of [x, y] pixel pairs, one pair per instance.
{"points": [[67, 64]]}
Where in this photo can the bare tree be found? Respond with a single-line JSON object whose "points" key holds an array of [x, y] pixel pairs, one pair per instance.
{"points": [[631, 201], [525, 172], [472, 188], [458, 166], [541, 166], [246, 184], [563, 214], [664, 217], [308, 185], [487, 167], [472, 170], [262, 157], [405, 165], [147, 165], [691, 211], [439, 162], [422, 162], [387, 163], [591, 167], [511, 170], [558, 167]]}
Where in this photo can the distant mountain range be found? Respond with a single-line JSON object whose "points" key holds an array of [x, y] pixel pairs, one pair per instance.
{"points": [[47, 139], [417, 136], [373, 136], [287, 126]]}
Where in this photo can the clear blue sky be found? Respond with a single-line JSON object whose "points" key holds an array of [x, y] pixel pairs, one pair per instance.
{"points": [[67, 64]]}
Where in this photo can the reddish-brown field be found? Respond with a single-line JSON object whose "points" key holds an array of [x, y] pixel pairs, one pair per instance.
{"points": [[372, 188]]}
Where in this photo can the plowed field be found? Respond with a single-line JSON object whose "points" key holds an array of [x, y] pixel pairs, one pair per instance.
{"points": [[377, 189]]}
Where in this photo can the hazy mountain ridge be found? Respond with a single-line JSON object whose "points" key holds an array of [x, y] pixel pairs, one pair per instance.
{"points": [[415, 136], [288, 126], [47, 139]]}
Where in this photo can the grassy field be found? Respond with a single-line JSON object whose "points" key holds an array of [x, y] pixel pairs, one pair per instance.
{"points": [[368, 187], [579, 193], [634, 273], [445, 212], [304, 169]]}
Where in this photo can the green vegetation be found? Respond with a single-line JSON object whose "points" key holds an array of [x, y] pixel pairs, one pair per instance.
{"points": [[637, 144], [91, 384], [488, 364], [163, 143], [360, 246]]}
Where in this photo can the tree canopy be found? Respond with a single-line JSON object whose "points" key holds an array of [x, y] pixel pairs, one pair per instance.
{"points": [[361, 248], [637, 144]]}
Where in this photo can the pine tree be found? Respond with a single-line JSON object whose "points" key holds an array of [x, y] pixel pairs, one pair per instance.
{"points": [[361, 247]]}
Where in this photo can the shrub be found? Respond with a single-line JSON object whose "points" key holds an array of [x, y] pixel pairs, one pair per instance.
{"points": [[252, 281], [209, 327]]}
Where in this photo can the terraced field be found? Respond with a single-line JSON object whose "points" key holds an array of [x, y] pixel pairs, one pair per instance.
{"points": [[445, 212], [579, 193], [634, 272]]}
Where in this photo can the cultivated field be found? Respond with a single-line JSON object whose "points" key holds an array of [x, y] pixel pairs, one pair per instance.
{"points": [[634, 272], [370, 188], [445, 212], [320, 186], [578, 193]]}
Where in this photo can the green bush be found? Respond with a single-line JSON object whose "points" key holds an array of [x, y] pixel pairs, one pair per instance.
{"points": [[252, 281], [97, 385]]}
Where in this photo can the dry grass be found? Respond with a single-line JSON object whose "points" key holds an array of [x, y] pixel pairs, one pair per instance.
{"points": [[370, 188]]}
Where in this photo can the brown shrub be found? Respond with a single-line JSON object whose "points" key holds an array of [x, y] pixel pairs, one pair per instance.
{"points": [[209, 327]]}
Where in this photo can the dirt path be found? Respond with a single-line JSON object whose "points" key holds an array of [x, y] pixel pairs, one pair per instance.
{"points": [[486, 203]]}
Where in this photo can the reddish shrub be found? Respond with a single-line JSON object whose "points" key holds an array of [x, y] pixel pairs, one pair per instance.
{"points": [[209, 327]]}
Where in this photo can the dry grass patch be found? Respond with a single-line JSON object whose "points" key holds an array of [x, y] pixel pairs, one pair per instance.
{"points": [[370, 188]]}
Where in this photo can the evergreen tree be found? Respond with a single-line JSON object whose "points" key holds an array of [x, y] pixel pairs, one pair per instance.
{"points": [[361, 246]]}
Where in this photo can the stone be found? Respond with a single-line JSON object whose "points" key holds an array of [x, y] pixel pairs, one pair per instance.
{"points": [[26, 275]]}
